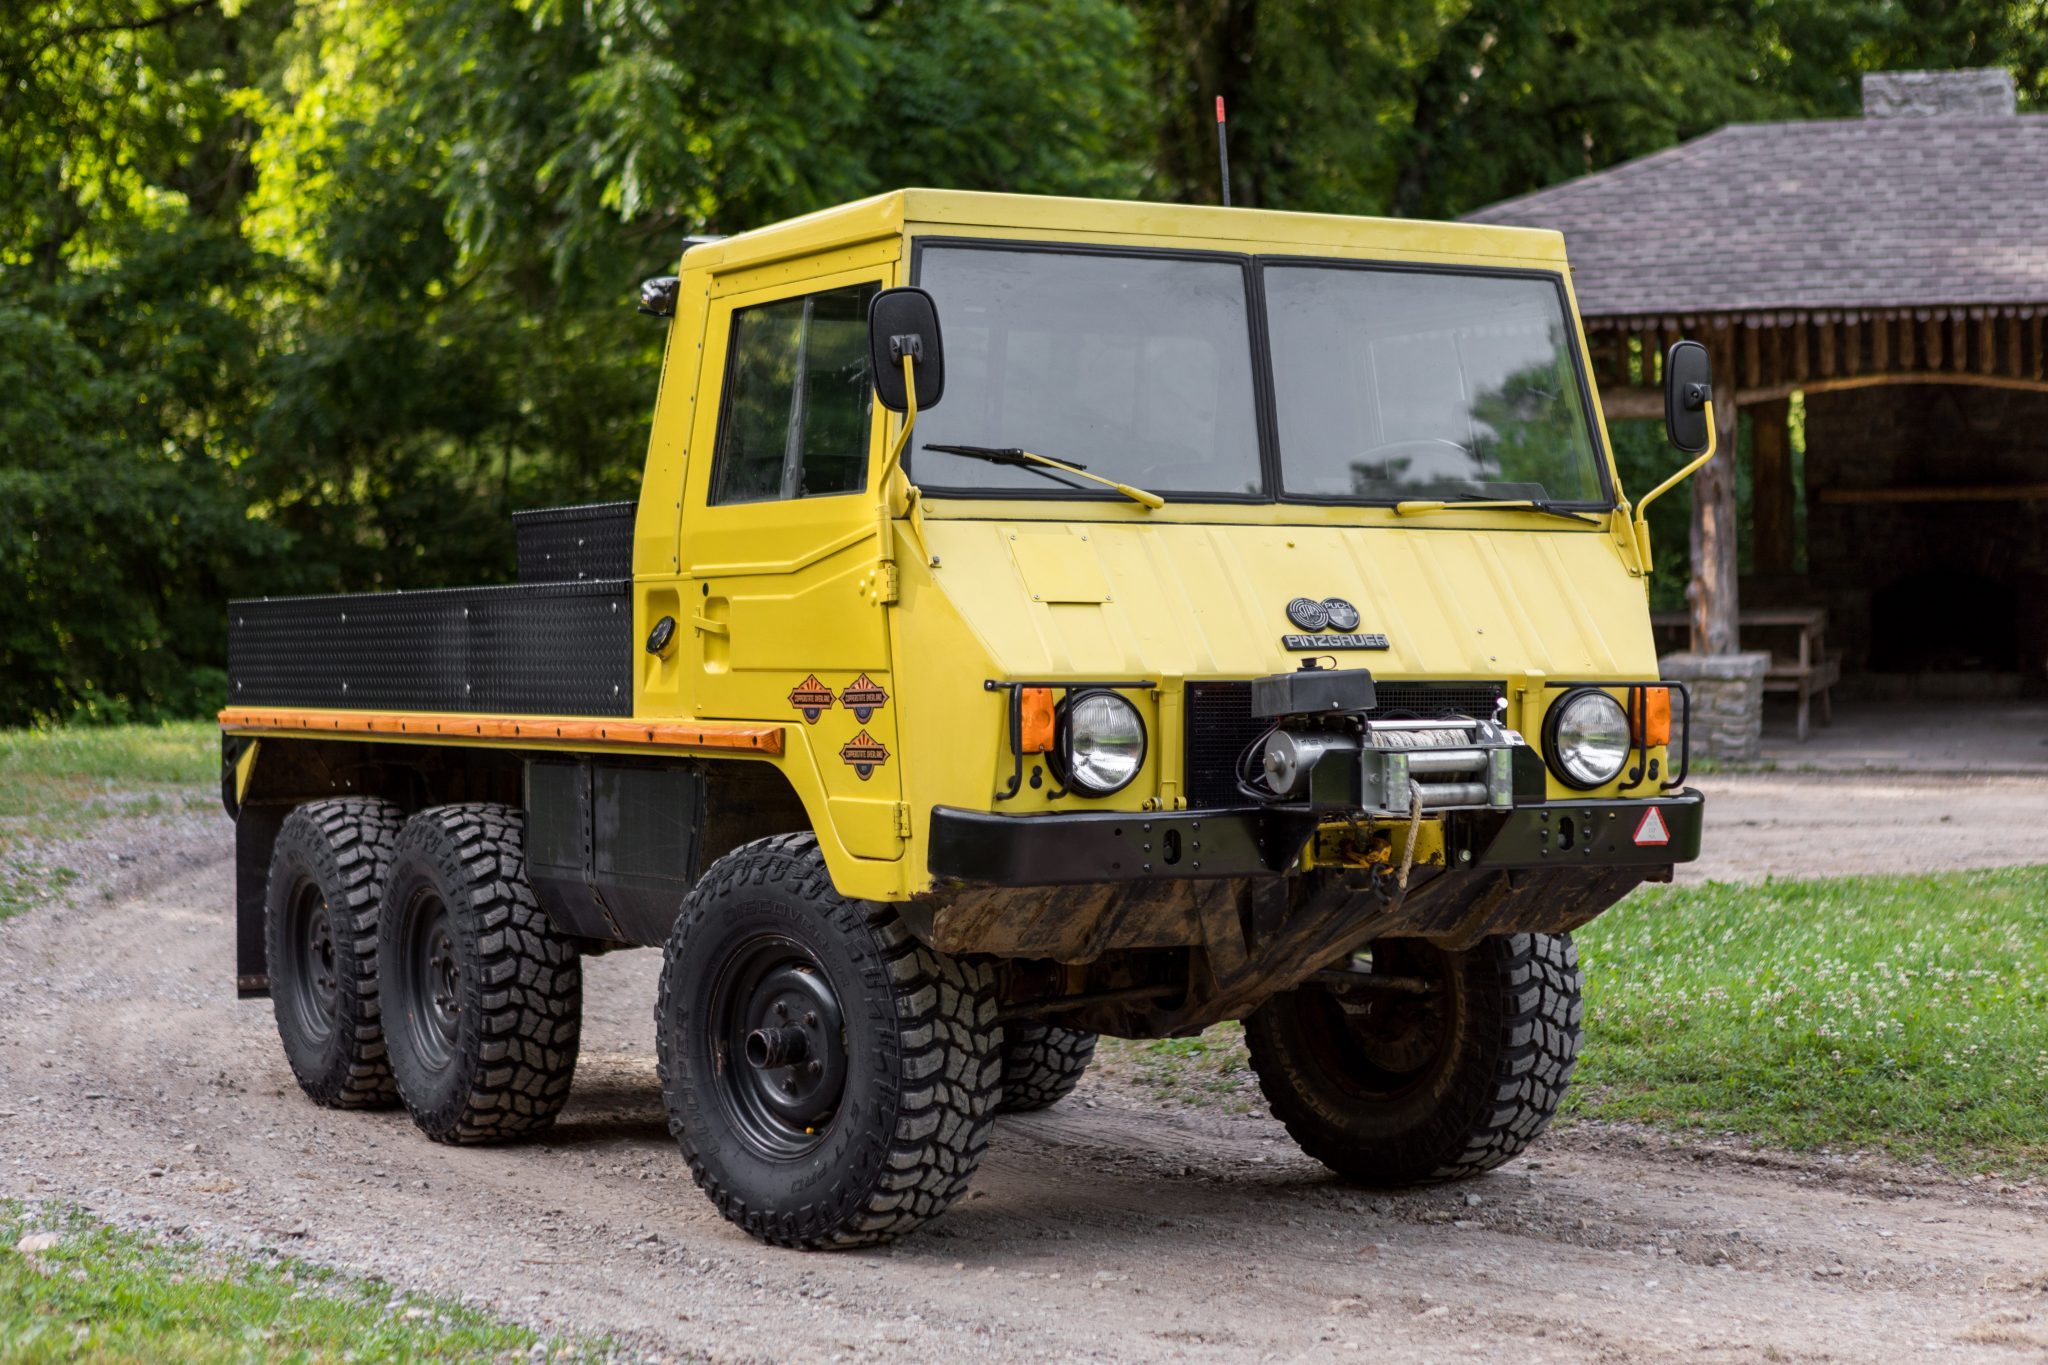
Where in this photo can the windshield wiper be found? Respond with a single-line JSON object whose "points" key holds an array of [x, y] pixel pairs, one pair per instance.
{"points": [[1409, 509], [1045, 464]]}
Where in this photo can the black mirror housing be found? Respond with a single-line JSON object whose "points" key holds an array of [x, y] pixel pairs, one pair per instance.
{"points": [[1688, 388], [658, 296], [905, 321]]}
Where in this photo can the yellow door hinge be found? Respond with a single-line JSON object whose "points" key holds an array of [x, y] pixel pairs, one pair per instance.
{"points": [[902, 819]]}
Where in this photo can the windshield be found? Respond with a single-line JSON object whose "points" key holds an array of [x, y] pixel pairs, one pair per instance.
{"points": [[1392, 384], [1138, 367]]}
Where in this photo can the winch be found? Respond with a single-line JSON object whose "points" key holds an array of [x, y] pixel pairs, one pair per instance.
{"points": [[1325, 749]]}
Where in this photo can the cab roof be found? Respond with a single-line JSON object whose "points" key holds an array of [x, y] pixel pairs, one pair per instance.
{"points": [[1129, 222]]}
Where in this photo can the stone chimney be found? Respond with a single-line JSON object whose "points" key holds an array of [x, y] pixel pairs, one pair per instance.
{"points": [[1983, 93]]}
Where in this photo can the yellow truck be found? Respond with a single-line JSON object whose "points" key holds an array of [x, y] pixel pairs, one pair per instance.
{"points": [[1040, 618]]}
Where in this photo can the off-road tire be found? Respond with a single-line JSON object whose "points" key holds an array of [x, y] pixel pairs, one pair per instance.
{"points": [[1512, 1008], [494, 1058], [328, 868], [919, 1054], [1042, 1063]]}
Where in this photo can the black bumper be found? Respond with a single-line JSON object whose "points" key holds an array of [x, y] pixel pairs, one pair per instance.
{"points": [[1115, 846]]}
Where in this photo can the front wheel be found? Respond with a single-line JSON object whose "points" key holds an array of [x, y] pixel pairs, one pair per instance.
{"points": [[1452, 1078], [830, 1080]]}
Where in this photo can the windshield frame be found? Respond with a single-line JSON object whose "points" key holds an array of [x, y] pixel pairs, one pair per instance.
{"points": [[1272, 491], [1262, 394]]}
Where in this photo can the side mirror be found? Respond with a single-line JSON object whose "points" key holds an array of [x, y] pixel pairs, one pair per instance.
{"points": [[901, 322], [658, 296], [1688, 388]]}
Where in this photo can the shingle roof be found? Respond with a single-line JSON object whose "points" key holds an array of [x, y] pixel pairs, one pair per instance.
{"points": [[1831, 214]]}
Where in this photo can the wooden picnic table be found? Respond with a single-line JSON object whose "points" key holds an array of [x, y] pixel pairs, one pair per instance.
{"points": [[1805, 670]]}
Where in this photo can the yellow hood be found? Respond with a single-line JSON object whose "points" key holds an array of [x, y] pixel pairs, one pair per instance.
{"points": [[1126, 600]]}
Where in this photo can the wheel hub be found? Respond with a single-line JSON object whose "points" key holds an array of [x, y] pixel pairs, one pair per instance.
{"points": [[318, 984], [434, 976], [781, 1030]]}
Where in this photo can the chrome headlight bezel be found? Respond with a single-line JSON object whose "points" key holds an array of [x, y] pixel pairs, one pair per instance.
{"points": [[1566, 737], [1080, 720]]}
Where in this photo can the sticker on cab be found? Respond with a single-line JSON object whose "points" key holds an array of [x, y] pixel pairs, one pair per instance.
{"points": [[811, 697], [1651, 829], [865, 753], [863, 696]]}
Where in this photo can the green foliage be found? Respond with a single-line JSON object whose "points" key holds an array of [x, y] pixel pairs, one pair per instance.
{"points": [[104, 1295], [306, 297]]}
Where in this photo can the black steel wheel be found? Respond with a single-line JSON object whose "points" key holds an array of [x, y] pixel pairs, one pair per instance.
{"points": [[830, 1080], [327, 873], [483, 995], [1402, 1087], [777, 1018], [433, 1019], [1042, 1063]]}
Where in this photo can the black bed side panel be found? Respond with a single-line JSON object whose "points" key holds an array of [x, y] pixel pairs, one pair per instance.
{"points": [[561, 649], [570, 544]]}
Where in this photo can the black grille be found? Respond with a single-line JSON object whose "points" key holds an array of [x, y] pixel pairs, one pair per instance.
{"points": [[563, 649], [575, 544], [1428, 700], [1221, 725]]}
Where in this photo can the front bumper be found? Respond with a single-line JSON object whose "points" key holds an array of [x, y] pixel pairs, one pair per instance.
{"points": [[980, 848]]}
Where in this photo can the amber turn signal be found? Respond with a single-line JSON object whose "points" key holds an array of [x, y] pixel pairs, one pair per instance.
{"points": [[1036, 730], [1653, 717]]}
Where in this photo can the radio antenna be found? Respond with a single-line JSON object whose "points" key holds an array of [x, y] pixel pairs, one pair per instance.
{"points": [[1223, 150]]}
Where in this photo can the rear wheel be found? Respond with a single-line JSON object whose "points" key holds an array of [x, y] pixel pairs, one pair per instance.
{"points": [[483, 997], [1391, 1088], [830, 1080], [1042, 1063], [327, 875]]}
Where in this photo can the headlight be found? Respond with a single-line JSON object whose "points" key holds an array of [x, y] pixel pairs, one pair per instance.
{"points": [[1102, 743], [1587, 738]]}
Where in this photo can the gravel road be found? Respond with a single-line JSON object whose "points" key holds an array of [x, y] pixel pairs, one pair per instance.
{"points": [[133, 1083]]}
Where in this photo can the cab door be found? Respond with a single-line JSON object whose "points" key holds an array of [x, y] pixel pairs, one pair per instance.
{"points": [[779, 549]]}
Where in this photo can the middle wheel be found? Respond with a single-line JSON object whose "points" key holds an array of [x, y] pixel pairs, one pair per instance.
{"points": [[830, 1080], [483, 997]]}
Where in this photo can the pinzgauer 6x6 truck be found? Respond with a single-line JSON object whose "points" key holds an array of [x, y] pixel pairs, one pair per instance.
{"points": [[1041, 618]]}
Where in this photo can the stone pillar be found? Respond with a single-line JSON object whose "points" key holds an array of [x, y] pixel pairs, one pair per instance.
{"points": [[1727, 702]]}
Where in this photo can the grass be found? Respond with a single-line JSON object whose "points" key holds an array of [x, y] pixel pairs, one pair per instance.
{"points": [[110, 1296], [53, 782], [50, 779], [1906, 1015], [1903, 1014]]}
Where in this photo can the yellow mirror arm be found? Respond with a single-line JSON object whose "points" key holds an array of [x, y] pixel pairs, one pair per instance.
{"points": [[1643, 507], [892, 463], [896, 449]]}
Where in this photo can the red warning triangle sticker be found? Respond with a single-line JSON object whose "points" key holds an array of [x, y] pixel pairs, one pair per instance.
{"points": [[1652, 829]]}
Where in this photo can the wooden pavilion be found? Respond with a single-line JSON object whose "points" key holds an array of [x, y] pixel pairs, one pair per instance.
{"points": [[1892, 272]]}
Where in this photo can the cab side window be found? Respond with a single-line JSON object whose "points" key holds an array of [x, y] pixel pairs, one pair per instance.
{"points": [[795, 418]]}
